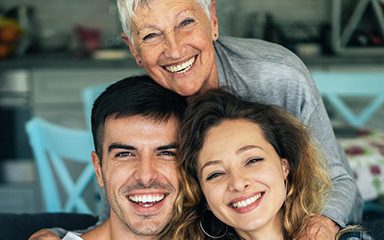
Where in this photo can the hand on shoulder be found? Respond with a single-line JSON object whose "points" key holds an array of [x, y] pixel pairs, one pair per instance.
{"points": [[320, 228], [44, 234]]}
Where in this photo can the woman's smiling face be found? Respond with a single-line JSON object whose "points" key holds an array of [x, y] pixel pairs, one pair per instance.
{"points": [[173, 42], [242, 177]]}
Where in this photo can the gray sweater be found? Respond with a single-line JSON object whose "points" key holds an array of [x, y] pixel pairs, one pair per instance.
{"points": [[266, 72]]}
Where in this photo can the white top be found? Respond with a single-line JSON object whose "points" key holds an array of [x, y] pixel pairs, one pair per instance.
{"points": [[72, 236]]}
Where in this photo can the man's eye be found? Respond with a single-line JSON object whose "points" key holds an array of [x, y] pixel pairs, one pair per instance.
{"points": [[213, 175], [123, 154], [254, 160], [186, 22], [167, 153]]}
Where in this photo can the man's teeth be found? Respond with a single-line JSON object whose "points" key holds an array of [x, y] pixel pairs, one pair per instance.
{"points": [[181, 68], [146, 198], [246, 202]]}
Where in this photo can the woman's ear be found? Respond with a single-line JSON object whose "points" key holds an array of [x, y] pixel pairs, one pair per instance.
{"points": [[132, 49], [96, 161], [213, 21], [285, 166]]}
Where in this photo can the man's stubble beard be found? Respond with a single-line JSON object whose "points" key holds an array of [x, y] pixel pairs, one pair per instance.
{"points": [[154, 228]]}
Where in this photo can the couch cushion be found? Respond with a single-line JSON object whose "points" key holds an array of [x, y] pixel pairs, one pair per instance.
{"points": [[21, 226]]}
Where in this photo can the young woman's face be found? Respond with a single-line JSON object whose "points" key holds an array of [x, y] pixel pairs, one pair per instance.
{"points": [[242, 177]]}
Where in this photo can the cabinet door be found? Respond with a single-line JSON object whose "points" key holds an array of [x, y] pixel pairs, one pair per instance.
{"points": [[56, 93], [358, 27], [19, 198]]}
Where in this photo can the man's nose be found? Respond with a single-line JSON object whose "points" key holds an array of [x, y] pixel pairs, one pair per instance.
{"points": [[174, 46], [238, 181], [146, 171]]}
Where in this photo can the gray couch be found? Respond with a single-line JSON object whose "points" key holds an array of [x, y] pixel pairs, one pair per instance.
{"points": [[21, 226]]}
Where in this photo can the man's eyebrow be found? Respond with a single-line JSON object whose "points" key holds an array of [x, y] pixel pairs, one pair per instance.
{"points": [[168, 146], [120, 146]]}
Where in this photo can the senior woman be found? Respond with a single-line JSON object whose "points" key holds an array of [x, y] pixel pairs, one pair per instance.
{"points": [[177, 43], [254, 166]]}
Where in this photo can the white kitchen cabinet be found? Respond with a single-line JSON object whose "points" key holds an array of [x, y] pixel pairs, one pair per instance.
{"points": [[365, 18], [19, 198], [56, 93]]}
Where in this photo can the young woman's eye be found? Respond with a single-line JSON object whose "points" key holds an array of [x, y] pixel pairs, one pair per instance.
{"points": [[186, 22], [254, 160], [213, 175]]}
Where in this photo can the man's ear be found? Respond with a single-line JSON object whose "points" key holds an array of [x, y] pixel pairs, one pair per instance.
{"points": [[286, 167], [96, 161], [132, 49], [213, 21]]}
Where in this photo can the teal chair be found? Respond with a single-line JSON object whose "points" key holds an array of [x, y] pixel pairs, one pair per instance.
{"points": [[334, 86], [89, 95], [54, 147]]}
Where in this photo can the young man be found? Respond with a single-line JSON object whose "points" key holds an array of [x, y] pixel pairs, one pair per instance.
{"points": [[134, 125]]}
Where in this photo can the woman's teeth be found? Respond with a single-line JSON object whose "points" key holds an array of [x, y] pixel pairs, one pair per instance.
{"points": [[246, 202], [181, 68]]}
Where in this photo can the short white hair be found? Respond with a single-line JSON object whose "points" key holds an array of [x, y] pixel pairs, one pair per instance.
{"points": [[127, 12]]}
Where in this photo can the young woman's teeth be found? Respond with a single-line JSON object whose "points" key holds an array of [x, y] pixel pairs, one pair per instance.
{"points": [[246, 202], [181, 68], [146, 199]]}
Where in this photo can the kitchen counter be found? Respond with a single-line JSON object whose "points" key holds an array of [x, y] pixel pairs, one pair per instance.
{"points": [[65, 60], [344, 61]]}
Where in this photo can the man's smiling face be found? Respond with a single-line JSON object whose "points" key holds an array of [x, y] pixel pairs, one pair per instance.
{"points": [[138, 171]]}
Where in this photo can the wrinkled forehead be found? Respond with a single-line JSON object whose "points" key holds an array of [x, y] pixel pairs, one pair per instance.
{"points": [[133, 5]]}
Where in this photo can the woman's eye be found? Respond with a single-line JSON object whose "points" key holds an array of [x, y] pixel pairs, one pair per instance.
{"points": [[254, 160], [150, 36], [213, 175], [186, 22]]}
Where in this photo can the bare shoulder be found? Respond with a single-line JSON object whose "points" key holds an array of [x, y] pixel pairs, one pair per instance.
{"points": [[98, 233]]}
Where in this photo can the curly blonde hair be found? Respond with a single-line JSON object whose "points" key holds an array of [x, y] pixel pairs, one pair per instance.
{"points": [[308, 182]]}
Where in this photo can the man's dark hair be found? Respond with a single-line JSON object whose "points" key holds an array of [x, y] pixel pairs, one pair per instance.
{"points": [[138, 95]]}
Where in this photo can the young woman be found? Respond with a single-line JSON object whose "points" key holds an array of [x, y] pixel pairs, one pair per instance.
{"points": [[253, 166]]}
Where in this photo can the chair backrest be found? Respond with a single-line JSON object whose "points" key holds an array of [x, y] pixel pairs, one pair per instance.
{"points": [[336, 85], [53, 147], [89, 95]]}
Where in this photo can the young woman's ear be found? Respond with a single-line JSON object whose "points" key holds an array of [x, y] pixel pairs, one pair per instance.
{"points": [[285, 166]]}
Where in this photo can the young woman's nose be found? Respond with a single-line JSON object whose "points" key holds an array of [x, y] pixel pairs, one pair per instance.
{"points": [[146, 170], [238, 181]]}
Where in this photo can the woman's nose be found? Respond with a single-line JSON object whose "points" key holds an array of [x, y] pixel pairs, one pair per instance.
{"points": [[173, 46], [238, 181]]}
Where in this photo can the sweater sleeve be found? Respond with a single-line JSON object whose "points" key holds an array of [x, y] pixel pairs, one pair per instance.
{"points": [[344, 203]]}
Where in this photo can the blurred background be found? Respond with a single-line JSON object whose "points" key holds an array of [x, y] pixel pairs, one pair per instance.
{"points": [[51, 50]]}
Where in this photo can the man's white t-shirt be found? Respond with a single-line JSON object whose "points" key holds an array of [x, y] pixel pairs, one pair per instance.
{"points": [[72, 236]]}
